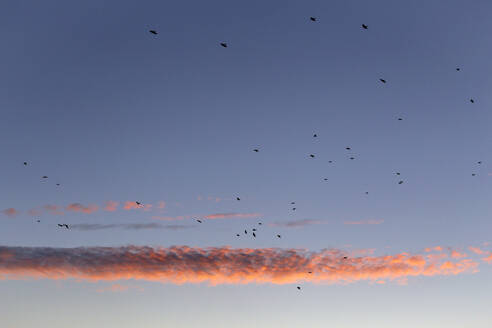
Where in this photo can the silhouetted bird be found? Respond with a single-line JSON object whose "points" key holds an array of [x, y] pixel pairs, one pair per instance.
{"points": [[38, 221], [45, 177], [153, 32], [57, 184], [293, 208], [292, 203], [382, 80], [400, 182], [256, 150], [479, 162], [348, 148], [326, 179], [397, 173], [472, 101], [259, 223], [473, 174], [364, 26], [298, 287], [400, 119], [25, 163], [245, 232], [330, 161], [367, 192], [457, 68], [352, 158], [254, 235], [254, 229], [315, 136], [310, 272], [313, 19], [237, 198], [345, 257], [138, 203], [199, 221], [237, 234], [279, 236], [312, 156], [223, 44], [63, 225]]}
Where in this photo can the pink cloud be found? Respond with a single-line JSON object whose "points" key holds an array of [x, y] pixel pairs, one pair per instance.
{"points": [[111, 206], [161, 204], [134, 206], [10, 212], [476, 250], [76, 207], [364, 222], [53, 209], [488, 259], [219, 265]]}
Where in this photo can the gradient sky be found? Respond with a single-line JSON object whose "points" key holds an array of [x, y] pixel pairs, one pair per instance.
{"points": [[91, 99]]}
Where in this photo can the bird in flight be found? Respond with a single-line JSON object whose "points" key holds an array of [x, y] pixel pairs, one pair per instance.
{"points": [[254, 229], [153, 32], [326, 179], [25, 163], [313, 19], [199, 221], [254, 235], [352, 158], [63, 225], [330, 161], [473, 174], [237, 234], [138, 203], [382, 80], [312, 156], [315, 135], [400, 119], [223, 44], [367, 192], [57, 184], [472, 101], [345, 257], [259, 223], [298, 287], [457, 69], [294, 208], [245, 232], [45, 177], [292, 203], [38, 221], [237, 198], [397, 173], [400, 182], [365, 27], [479, 162], [348, 148], [256, 150], [279, 236]]}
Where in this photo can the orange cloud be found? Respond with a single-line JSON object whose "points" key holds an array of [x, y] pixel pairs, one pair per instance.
{"points": [[53, 209], [10, 212], [218, 265], [457, 255], [476, 250], [111, 206], [231, 215], [76, 207], [364, 222], [488, 259]]}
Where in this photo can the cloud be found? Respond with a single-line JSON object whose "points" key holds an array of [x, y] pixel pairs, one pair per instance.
{"points": [[111, 206], [126, 226], [477, 250], [161, 204], [488, 259], [218, 265], [134, 206], [364, 222], [76, 207], [10, 212], [53, 209], [231, 215], [296, 223]]}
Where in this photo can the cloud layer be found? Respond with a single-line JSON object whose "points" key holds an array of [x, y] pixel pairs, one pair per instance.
{"points": [[220, 265]]}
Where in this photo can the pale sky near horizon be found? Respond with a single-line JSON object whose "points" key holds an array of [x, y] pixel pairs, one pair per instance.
{"points": [[114, 114]]}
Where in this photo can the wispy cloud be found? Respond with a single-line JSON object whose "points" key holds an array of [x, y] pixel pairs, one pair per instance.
{"points": [[231, 215], [10, 212], [53, 209], [111, 206], [296, 223], [76, 207], [127, 226], [364, 222], [219, 265]]}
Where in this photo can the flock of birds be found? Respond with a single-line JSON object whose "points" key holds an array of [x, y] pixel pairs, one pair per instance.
{"points": [[256, 150]]}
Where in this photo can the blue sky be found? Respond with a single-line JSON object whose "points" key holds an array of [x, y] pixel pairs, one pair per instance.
{"points": [[94, 101]]}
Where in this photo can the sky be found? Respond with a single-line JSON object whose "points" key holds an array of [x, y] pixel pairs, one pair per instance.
{"points": [[116, 115]]}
